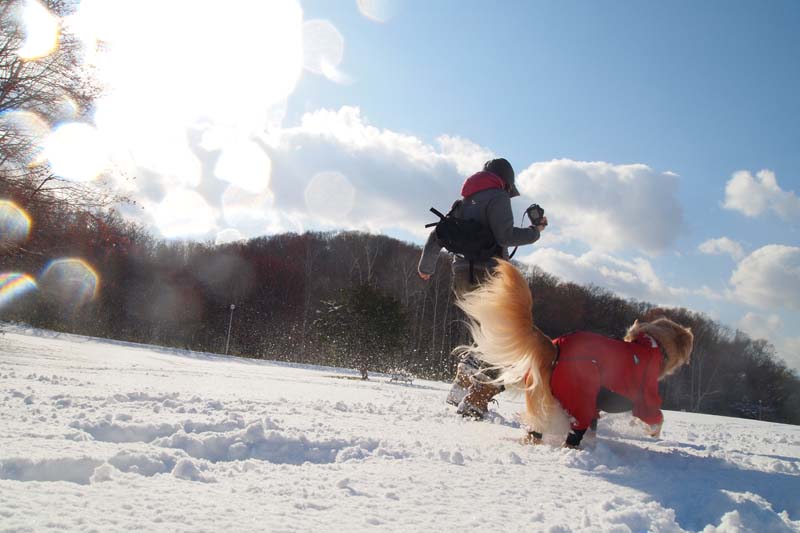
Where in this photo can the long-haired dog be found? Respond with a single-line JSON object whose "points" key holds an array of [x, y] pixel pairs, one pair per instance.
{"points": [[567, 381]]}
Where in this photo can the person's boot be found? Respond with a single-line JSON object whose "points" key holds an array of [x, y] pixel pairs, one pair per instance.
{"points": [[467, 368], [476, 402], [532, 437]]}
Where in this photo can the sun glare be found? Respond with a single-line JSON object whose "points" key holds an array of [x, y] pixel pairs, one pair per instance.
{"points": [[175, 71], [183, 212], [245, 165], [76, 152], [70, 281], [41, 30], [196, 60]]}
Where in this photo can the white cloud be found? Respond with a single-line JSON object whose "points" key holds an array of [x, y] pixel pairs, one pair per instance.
{"points": [[332, 171], [467, 156], [390, 179], [723, 245], [789, 350], [769, 278], [708, 293], [754, 195], [330, 195], [227, 236], [608, 207], [184, 212], [394, 177], [633, 279], [759, 326], [771, 328]]}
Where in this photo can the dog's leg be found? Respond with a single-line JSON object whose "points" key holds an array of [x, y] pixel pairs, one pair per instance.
{"points": [[574, 439]]}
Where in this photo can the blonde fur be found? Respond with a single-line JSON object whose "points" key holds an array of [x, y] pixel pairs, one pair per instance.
{"points": [[675, 340], [501, 323]]}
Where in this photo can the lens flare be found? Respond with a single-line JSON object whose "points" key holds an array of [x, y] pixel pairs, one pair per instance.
{"points": [[76, 152], [67, 109], [330, 195], [377, 10], [30, 132], [41, 30], [323, 49], [15, 224], [70, 281], [13, 285]]}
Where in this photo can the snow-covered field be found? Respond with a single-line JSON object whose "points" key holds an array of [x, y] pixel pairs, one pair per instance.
{"points": [[104, 436]]}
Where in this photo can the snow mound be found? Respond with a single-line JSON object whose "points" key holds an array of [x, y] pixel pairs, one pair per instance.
{"points": [[78, 471], [262, 440], [189, 470]]}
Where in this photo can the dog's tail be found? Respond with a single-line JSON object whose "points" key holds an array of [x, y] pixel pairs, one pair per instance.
{"points": [[501, 322]]}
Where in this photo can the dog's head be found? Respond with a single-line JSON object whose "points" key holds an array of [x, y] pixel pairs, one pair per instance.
{"points": [[675, 341]]}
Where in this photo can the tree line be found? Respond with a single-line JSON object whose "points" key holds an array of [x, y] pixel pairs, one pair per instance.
{"points": [[354, 300]]}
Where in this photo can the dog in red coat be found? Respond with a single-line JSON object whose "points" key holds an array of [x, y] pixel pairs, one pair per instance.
{"points": [[567, 381]]}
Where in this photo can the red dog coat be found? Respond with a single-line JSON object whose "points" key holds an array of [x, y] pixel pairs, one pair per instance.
{"points": [[588, 361]]}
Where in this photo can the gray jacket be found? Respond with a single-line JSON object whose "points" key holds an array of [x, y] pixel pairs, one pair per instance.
{"points": [[491, 207]]}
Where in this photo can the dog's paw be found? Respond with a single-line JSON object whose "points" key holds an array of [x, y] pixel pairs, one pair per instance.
{"points": [[654, 430]]}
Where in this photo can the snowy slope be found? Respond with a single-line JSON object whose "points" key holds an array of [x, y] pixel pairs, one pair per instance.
{"points": [[103, 436]]}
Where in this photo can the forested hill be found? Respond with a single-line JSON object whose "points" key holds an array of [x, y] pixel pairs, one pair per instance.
{"points": [[346, 299]]}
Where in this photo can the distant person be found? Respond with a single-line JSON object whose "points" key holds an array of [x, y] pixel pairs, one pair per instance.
{"points": [[486, 199]]}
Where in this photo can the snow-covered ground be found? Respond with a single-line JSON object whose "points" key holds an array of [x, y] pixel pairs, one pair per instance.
{"points": [[104, 436]]}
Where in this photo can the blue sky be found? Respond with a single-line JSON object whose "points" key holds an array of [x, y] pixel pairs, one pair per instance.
{"points": [[661, 137], [709, 87]]}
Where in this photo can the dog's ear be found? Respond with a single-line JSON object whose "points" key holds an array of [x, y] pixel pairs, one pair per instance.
{"points": [[630, 330]]}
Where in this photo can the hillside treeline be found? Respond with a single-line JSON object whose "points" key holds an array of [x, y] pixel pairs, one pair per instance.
{"points": [[345, 299]]}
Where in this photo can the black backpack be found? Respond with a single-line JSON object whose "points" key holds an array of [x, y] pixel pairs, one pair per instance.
{"points": [[468, 238]]}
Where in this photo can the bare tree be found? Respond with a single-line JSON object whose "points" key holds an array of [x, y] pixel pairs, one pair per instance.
{"points": [[33, 95]]}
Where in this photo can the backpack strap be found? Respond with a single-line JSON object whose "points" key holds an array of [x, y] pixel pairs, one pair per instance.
{"points": [[438, 214]]}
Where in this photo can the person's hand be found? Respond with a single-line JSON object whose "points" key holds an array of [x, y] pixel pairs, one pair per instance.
{"points": [[542, 224], [424, 276]]}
